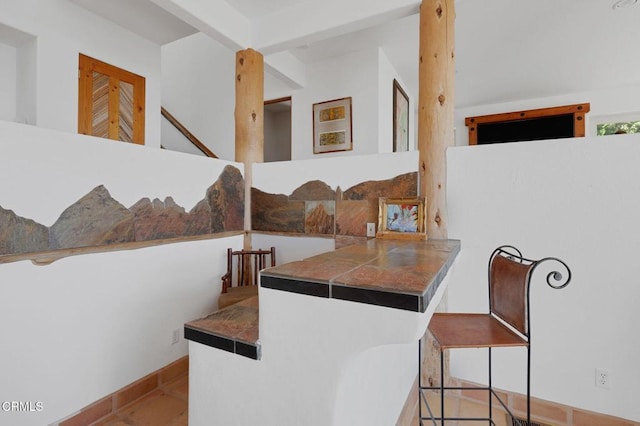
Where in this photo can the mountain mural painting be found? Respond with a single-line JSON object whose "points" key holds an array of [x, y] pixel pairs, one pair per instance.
{"points": [[316, 209], [97, 219]]}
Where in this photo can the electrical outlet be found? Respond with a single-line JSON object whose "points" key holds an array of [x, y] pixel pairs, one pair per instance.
{"points": [[175, 336], [371, 229], [602, 379]]}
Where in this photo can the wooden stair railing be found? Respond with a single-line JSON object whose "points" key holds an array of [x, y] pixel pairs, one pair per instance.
{"points": [[187, 134]]}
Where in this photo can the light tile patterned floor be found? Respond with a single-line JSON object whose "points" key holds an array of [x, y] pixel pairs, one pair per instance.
{"points": [[165, 406]]}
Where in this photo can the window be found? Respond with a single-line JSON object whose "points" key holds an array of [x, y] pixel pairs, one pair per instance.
{"points": [[110, 102], [546, 123], [615, 124]]}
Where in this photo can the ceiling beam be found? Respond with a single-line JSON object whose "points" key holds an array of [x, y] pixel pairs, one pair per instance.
{"points": [[288, 68], [217, 19], [308, 22], [233, 30]]}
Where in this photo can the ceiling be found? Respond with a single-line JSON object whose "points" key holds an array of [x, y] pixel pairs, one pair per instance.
{"points": [[505, 49]]}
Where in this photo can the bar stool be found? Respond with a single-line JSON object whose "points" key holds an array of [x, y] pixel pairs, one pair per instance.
{"points": [[507, 323]]}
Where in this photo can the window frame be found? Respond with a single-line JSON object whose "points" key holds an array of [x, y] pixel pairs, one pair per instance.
{"points": [[87, 66], [577, 110]]}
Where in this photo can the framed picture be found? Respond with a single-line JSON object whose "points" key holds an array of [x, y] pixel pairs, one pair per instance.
{"points": [[401, 218], [332, 126], [400, 118]]}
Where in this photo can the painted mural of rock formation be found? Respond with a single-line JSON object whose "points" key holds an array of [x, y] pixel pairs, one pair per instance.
{"points": [[20, 235], [94, 220], [405, 185], [314, 208], [319, 217], [320, 207], [310, 209], [358, 205], [98, 219], [226, 200], [156, 220], [276, 213]]}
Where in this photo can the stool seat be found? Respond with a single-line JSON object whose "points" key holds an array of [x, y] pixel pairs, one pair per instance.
{"points": [[472, 331]]}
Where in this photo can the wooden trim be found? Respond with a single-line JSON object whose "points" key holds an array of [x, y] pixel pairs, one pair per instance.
{"points": [[186, 133], [139, 96], [114, 108], [278, 100], [85, 88], [578, 111], [50, 256]]}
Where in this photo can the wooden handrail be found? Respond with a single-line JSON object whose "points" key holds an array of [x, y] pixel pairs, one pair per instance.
{"points": [[187, 134]]}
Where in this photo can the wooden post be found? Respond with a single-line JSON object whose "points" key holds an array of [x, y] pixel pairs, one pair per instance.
{"points": [[249, 120], [435, 108]]}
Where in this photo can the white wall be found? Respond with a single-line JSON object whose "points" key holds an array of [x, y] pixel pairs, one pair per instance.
{"points": [[64, 30], [26, 82], [174, 140], [575, 199], [85, 326], [354, 75], [387, 74], [198, 88], [7, 82], [291, 249]]}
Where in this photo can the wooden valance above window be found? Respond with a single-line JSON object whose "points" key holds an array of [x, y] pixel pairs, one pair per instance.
{"points": [[546, 123]]}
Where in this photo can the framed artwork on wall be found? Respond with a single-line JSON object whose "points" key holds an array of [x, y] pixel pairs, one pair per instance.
{"points": [[400, 118], [332, 126], [401, 218]]}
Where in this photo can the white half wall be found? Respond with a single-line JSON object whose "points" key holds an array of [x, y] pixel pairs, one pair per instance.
{"points": [[291, 249], [284, 177], [85, 326], [576, 199], [325, 362]]}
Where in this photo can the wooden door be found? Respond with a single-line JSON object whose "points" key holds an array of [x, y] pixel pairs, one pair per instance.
{"points": [[110, 102]]}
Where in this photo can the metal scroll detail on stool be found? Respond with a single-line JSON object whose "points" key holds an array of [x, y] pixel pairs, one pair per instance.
{"points": [[506, 325]]}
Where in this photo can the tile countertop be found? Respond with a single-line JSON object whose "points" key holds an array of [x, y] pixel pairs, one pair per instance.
{"points": [[393, 273], [233, 329]]}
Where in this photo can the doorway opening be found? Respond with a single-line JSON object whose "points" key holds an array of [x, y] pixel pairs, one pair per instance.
{"points": [[277, 130]]}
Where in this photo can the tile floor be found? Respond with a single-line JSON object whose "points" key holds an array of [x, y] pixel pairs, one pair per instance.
{"points": [[168, 406], [463, 407], [165, 406]]}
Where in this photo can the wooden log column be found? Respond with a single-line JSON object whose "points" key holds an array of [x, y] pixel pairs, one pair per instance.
{"points": [[435, 108], [249, 121]]}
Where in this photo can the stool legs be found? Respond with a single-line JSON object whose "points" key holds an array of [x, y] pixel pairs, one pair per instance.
{"points": [[441, 386], [490, 391]]}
